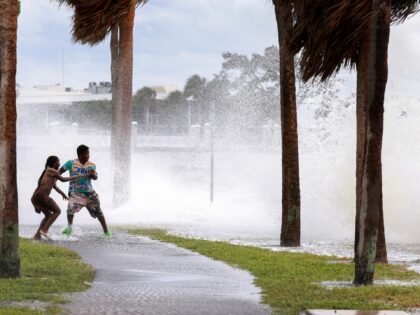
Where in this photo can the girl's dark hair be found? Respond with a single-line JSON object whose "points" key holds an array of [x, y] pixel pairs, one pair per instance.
{"points": [[50, 163]]}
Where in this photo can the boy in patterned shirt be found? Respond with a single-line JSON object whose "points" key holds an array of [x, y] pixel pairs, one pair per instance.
{"points": [[81, 192]]}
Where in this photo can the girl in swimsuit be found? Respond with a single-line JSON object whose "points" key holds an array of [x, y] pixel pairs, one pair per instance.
{"points": [[41, 198]]}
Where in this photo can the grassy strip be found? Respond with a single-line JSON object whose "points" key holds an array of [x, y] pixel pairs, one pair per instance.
{"points": [[47, 271], [290, 281], [51, 310]]}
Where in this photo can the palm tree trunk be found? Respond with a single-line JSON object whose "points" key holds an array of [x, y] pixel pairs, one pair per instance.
{"points": [[373, 68], [361, 132], [9, 222], [114, 60], [290, 229], [381, 249], [123, 109]]}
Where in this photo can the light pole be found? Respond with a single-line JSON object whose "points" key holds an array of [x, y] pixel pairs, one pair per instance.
{"points": [[212, 152]]}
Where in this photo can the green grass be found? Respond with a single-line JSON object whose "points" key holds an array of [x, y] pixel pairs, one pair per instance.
{"points": [[51, 310], [46, 272], [290, 281]]}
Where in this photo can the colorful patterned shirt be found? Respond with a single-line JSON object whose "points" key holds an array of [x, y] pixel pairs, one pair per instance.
{"points": [[82, 185]]}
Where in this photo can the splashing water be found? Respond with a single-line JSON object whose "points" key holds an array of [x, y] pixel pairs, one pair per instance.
{"points": [[171, 188]]}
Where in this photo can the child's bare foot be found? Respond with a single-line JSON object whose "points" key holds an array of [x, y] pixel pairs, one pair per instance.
{"points": [[37, 236], [45, 234]]}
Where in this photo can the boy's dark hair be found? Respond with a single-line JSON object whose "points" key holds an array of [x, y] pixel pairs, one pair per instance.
{"points": [[82, 149]]}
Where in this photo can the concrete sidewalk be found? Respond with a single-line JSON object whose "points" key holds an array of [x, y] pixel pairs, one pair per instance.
{"points": [[135, 275]]}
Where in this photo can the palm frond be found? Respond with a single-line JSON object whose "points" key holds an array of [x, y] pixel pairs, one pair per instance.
{"points": [[93, 19], [328, 32], [403, 9]]}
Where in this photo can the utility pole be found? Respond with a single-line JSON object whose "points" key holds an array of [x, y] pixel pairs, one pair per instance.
{"points": [[62, 66], [212, 152]]}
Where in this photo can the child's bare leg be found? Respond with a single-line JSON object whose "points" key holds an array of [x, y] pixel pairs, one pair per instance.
{"points": [[50, 221], [47, 214], [70, 218], [101, 219], [55, 213]]}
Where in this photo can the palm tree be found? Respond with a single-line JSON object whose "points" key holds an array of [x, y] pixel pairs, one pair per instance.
{"points": [[356, 34], [122, 106], [114, 58], [9, 223], [400, 11], [290, 227], [175, 108], [372, 72], [145, 98], [194, 88], [92, 22]]}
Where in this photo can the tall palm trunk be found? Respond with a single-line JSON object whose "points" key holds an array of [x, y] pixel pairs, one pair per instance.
{"points": [[290, 228], [373, 69], [9, 223], [114, 60], [361, 131], [381, 250], [123, 104]]}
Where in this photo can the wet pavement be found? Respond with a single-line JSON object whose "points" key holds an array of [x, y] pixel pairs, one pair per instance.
{"points": [[138, 276], [135, 275]]}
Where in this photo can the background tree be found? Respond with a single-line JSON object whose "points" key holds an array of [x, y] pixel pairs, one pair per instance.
{"points": [[145, 98], [249, 92], [9, 222], [194, 90], [217, 91], [176, 115], [253, 85], [194, 87], [91, 114]]}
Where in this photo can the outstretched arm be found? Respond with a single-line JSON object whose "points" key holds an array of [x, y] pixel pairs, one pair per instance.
{"points": [[60, 192], [67, 179]]}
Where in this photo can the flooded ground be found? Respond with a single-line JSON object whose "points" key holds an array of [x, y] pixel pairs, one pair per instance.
{"points": [[407, 254]]}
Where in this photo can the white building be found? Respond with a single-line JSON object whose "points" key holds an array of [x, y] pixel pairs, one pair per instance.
{"points": [[43, 105]]}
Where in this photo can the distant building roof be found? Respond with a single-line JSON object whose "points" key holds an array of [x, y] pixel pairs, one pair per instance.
{"points": [[55, 94]]}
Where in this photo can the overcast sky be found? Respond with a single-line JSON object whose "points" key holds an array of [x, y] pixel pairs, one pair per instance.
{"points": [[173, 40]]}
